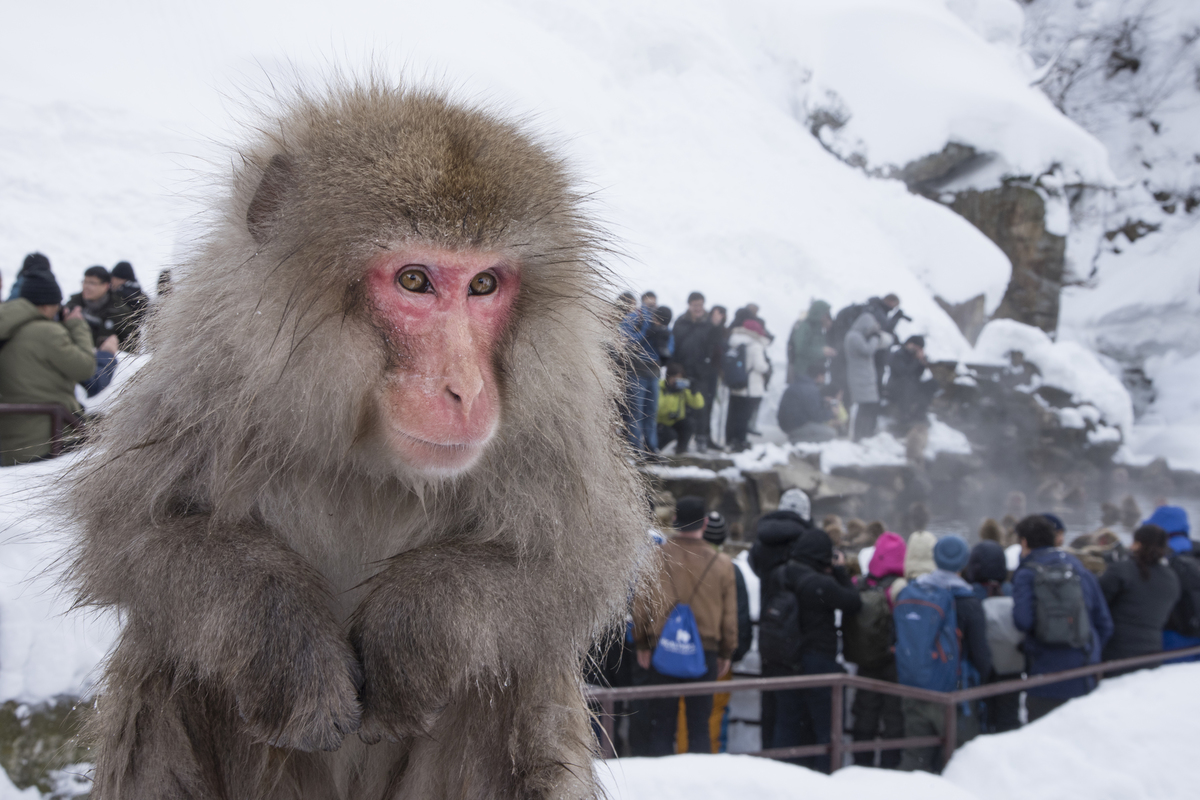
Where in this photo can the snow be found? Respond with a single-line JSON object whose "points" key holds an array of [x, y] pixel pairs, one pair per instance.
{"points": [[1128, 740], [1065, 365], [45, 651]]}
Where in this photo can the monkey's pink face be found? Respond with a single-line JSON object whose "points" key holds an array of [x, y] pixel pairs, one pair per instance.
{"points": [[444, 312]]}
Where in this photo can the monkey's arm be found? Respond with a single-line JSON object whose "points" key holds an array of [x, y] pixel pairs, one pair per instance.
{"points": [[439, 618], [237, 609]]}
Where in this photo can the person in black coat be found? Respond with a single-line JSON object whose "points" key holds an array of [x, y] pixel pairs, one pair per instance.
{"points": [[907, 395], [694, 349], [1140, 594], [803, 412], [774, 535], [818, 579]]}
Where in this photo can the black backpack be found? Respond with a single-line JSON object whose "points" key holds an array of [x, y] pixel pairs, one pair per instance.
{"points": [[1059, 607], [734, 367], [780, 640], [842, 324], [1185, 617]]}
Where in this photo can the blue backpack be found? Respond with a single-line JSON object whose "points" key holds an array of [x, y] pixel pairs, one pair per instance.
{"points": [[733, 367], [679, 652], [927, 645]]}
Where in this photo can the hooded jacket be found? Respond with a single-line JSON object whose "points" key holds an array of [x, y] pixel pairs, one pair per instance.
{"points": [[806, 344], [774, 535], [820, 589], [757, 365], [1043, 658], [860, 344], [40, 363], [888, 558], [1173, 520]]}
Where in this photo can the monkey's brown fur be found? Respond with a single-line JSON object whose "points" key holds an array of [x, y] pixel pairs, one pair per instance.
{"points": [[303, 618]]}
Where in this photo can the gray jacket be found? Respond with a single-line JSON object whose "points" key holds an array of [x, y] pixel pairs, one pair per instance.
{"points": [[863, 339]]}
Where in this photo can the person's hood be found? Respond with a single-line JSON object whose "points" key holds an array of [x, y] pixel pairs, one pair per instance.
{"points": [[866, 324], [779, 527], [987, 563], [888, 558], [918, 555], [1171, 519], [946, 580], [817, 311], [14, 314], [814, 548], [741, 335]]}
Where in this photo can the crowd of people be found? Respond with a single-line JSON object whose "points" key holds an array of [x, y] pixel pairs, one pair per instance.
{"points": [[699, 383], [924, 611], [48, 347]]}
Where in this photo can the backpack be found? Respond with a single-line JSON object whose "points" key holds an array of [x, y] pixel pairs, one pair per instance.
{"points": [[1185, 616], [1003, 637], [780, 639], [679, 652], [927, 638], [843, 322], [1061, 615], [734, 367], [867, 636]]}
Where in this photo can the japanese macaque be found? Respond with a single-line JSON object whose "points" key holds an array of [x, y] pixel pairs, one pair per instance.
{"points": [[367, 508]]}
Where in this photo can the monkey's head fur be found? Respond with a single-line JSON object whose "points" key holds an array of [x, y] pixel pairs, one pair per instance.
{"points": [[303, 375]]}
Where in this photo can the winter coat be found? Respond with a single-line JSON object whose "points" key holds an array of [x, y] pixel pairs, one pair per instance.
{"points": [[987, 571], [1139, 608], [694, 348], [112, 317], [745, 636], [806, 344], [673, 405], [643, 357], [757, 364], [820, 590], [908, 396], [40, 363], [802, 403], [714, 602], [1045, 658], [774, 535], [864, 338]]}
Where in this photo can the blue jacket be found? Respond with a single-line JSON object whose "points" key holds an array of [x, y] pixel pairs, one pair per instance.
{"points": [[1043, 658]]}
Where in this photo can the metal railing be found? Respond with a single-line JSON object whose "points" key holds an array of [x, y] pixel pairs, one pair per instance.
{"points": [[837, 747], [59, 418]]}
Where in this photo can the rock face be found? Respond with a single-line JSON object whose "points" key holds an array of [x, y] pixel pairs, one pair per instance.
{"points": [[1014, 217]]}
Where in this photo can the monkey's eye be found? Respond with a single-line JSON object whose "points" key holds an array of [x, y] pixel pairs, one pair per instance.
{"points": [[414, 280], [483, 283]]}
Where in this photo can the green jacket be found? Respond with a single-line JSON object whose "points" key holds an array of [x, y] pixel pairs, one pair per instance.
{"points": [[673, 406], [806, 345], [40, 362]]}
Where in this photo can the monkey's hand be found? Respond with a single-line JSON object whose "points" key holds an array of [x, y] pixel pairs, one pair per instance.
{"points": [[435, 619], [243, 613]]}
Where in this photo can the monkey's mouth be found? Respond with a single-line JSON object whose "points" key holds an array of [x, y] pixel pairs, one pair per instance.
{"points": [[445, 458]]}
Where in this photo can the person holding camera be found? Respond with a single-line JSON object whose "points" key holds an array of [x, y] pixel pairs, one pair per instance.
{"points": [[676, 400]]}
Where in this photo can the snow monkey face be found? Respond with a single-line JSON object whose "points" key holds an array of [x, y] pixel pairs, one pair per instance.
{"points": [[443, 313]]}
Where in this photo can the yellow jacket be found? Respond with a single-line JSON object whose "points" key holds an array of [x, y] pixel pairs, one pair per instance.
{"points": [[673, 406]]}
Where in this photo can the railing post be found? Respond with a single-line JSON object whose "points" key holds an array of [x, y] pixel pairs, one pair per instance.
{"points": [[608, 722], [56, 425], [950, 738], [836, 727]]}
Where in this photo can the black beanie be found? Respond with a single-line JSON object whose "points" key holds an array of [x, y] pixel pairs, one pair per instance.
{"points": [[689, 513], [124, 271], [35, 262], [40, 288], [717, 530]]}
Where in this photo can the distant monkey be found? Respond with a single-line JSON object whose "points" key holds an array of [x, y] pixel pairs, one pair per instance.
{"points": [[366, 509]]}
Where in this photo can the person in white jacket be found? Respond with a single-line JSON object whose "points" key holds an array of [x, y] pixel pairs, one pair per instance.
{"points": [[744, 400]]}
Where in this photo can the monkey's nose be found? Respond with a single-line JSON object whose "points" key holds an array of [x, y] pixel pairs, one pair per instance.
{"points": [[464, 389]]}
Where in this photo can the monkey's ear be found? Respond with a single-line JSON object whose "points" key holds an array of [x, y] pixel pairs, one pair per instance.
{"points": [[277, 181]]}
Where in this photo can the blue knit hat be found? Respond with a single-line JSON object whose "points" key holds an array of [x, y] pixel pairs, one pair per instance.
{"points": [[951, 553]]}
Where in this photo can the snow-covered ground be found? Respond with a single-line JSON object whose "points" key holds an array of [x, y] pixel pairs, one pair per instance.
{"points": [[1131, 739]]}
